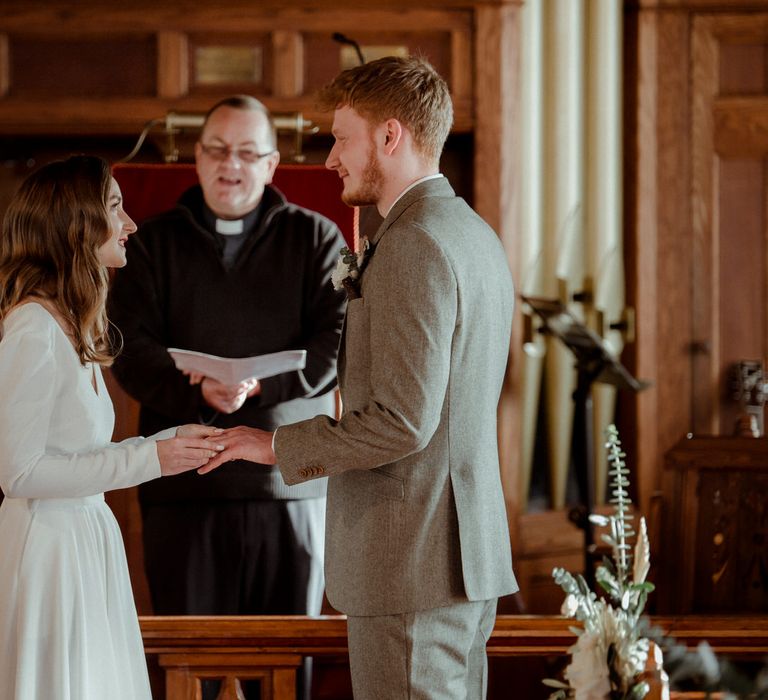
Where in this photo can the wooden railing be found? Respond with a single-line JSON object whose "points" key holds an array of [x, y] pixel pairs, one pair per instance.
{"points": [[270, 648]]}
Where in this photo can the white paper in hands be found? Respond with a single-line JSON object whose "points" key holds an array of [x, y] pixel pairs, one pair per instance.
{"points": [[233, 370]]}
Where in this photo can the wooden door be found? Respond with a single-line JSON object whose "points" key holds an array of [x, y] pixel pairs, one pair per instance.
{"points": [[729, 55]]}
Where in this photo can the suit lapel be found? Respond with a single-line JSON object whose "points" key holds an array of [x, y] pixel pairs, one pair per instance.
{"points": [[436, 187]]}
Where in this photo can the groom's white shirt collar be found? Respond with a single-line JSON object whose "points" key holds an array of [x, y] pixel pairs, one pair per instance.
{"points": [[410, 187]]}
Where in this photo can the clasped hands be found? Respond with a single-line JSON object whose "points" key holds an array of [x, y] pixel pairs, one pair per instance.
{"points": [[205, 448], [250, 444], [191, 447]]}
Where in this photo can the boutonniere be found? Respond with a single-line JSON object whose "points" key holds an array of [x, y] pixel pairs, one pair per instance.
{"points": [[349, 268]]}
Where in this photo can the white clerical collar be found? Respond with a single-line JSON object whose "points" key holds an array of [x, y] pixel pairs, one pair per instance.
{"points": [[410, 187], [228, 227]]}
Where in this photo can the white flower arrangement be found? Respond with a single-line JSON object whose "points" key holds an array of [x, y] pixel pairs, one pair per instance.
{"points": [[348, 269], [610, 655]]}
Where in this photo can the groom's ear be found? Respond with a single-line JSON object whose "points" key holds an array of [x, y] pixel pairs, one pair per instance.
{"points": [[393, 135]]}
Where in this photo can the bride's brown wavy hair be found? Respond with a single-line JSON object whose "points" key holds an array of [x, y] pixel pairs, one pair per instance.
{"points": [[51, 233]]}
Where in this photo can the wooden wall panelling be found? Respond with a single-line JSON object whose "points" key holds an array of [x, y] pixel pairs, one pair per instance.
{"points": [[742, 68], [638, 412], [5, 66], [461, 66], [288, 50], [546, 539], [695, 153], [700, 6], [730, 124], [741, 125], [740, 232], [98, 17], [740, 148], [291, 26], [496, 200], [45, 67], [706, 292], [674, 244], [172, 64], [660, 241]]}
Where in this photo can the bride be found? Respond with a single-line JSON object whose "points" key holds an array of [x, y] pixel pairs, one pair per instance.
{"points": [[68, 625]]}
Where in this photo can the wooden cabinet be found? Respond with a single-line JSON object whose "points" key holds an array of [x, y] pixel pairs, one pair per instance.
{"points": [[715, 547]]}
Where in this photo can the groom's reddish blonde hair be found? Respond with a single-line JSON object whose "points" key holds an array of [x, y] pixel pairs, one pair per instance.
{"points": [[407, 89]]}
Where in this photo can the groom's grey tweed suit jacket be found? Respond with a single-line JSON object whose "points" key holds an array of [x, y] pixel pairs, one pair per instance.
{"points": [[416, 515]]}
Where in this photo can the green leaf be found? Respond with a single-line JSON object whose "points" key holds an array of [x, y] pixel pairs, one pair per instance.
{"points": [[608, 582], [583, 587], [638, 691], [559, 695]]}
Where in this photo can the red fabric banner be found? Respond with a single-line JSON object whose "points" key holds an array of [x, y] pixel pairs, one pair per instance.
{"points": [[149, 189]]}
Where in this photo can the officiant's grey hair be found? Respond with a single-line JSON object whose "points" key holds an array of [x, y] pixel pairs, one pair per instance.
{"points": [[248, 104]]}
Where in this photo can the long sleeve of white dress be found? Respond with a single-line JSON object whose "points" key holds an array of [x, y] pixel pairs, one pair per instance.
{"points": [[48, 446]]}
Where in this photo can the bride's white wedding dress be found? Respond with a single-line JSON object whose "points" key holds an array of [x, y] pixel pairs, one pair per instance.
{"points": [[68, 625]]}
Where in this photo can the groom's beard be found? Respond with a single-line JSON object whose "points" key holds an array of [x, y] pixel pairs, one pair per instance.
{"points": [[372, 181]]}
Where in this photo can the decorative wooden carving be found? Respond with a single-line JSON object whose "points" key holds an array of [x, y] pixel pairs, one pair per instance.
{"points": [[715, 553], [748, 385]]}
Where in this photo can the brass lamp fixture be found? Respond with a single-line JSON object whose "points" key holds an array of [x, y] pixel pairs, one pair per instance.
{"points": [[175, 123]]}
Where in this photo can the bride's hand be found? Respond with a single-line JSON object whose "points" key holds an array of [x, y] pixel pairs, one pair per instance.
{"points": [[195, 430], [188, 450]]}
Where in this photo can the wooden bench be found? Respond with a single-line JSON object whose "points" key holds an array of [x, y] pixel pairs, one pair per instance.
{"points": [[270, 648]]}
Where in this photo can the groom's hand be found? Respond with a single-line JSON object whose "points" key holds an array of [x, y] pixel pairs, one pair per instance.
{"points": [[250, 444]]}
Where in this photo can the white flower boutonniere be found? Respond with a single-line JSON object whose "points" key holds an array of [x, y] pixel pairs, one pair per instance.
{"points": [[349, 268]]}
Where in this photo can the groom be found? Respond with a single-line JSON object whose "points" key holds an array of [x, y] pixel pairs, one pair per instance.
{"points": [[417, 546]]}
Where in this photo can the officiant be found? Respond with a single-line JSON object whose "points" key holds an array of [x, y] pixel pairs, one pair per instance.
{"points": [[233, 270]]}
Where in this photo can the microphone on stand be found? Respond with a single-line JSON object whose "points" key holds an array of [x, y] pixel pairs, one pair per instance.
{"points": [[343, 39]]}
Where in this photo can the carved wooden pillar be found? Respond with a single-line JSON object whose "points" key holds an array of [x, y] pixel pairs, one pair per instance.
{"points": [[658, 238], [497, 52]]}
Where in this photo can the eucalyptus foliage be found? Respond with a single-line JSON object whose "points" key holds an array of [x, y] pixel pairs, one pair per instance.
{"points": [[610, 654], [611, 651]]}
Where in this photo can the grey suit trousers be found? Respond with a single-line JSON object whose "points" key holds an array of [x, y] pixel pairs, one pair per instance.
{"points": [[436, 654]]}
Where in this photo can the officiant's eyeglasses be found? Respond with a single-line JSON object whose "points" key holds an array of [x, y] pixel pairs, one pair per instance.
{"points": [[244, 155]]}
